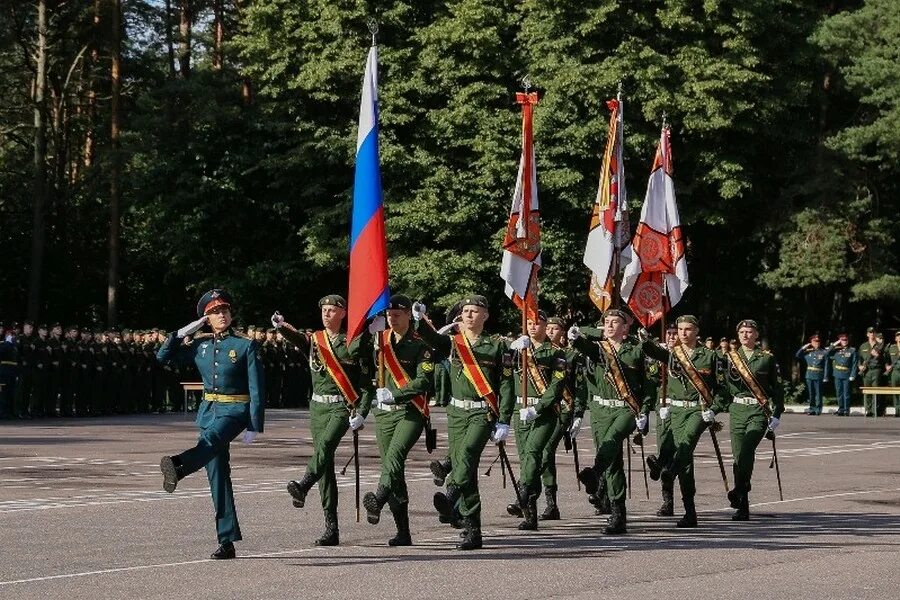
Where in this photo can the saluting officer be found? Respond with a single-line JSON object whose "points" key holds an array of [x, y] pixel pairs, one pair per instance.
{"points": [[342, 396], [815, 358], [756, 403], [842, 365], [233, 401]]}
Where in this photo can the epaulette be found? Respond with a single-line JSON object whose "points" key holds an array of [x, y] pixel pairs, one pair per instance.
{"points": [[202, 336], [243, 335]]}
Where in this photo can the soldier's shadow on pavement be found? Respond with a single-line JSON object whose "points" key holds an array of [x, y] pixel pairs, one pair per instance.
{"points": [[794, 531]]}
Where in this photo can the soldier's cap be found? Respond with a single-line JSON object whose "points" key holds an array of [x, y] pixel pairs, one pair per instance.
{"points": [[212, 300], [474, 300], [897, 333], [127, 331], [843, 336], [55, 324], [748, 323], [723, 340], [709, 339], [400, 301], [688, 319], [42, 326], [333, 300], [454, 311], [154, 330], [542, 316], [556, 321], [239, 329], [815, 338], [270, 330], [72, 328], [28, 322], [615, 312], [251, 327], [672, 326], [871, 330]]}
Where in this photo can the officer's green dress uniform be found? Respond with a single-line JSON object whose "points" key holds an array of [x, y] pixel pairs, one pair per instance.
{"points": [[894, 361], [329, 414], [533, 438], [398, 427], [748, 419], [659, 464], [470, 421], [612, 420], [572, 405], [686, 421], [872, 358], [233, 400]]}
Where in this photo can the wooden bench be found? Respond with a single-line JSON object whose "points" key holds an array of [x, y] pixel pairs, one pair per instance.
{"points": [[879, 390], [190, 386]]}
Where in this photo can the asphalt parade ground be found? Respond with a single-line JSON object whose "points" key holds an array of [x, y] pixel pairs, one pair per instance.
{"points": [[83, 515]]}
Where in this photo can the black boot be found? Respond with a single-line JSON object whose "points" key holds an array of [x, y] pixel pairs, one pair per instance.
{"points": [[690, 514], [331, 536], [551, 511], [668, 506], [530, 513], [589, 479], [655, 467], [224, 552], [445, 504], [617, 519], [401, 518], [299, 489], [172, 471], [514, 509], [743, 509], [439, 471], [374, 503], [471, 538]]}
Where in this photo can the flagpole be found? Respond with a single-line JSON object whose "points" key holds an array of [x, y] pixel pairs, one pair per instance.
{"points": [[617, 250]]}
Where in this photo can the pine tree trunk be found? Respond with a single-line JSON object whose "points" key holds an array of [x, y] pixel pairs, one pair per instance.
{"points": [[39, 167], [218, 36], [170, 42], [115, 190], [184, 41]]}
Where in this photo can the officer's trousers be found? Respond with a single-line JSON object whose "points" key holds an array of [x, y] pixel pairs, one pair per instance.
{"points": [[328, 424], [471, 430], [397, 432], [814, 391], [610, 426], [748, 426], [532, 440]]}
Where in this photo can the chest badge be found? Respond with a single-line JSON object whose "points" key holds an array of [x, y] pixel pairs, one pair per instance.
{"points": [[203, 350], [232, 356]]}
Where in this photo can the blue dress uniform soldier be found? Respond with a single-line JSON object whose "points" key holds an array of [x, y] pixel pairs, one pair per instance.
{"points": [[233, 401], [816, 359], [342, 396], [842, 365]]}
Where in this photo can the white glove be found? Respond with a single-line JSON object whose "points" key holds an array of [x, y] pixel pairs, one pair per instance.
{"points": [[852, 378], [418, 310], [377, 325], [774, 422], [356, 421], [249, 436], [501, 432], [192, 327], [664, 413], [277, 320], [384, 396], [643, 334], [528, 414], [449, 328], [574, 333], [574, 427], [640, 421], [521, 343], [708, 415]]}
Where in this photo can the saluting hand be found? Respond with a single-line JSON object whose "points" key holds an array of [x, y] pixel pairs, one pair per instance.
{"points": [[192, 327]]}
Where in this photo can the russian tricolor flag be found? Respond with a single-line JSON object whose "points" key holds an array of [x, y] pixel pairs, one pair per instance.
{"points": [[369, 292]]}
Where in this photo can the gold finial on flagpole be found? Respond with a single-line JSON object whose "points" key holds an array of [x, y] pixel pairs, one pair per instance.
{"points": [[526, 83], [373, 29]]}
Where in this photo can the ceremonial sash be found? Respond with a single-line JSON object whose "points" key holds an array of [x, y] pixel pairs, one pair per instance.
{"points": [[334, 368], [617, 376], [473, 371], [694, 375], [540, 384], [398, 374], [748, 378]]}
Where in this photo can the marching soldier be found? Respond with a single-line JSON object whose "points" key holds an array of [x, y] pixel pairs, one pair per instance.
{"points": [[233, 401], [659, 464], [342, 378], [871, 367], [481, 406], [815, 358], [692, 396], [616, 410], [893, 369], [571, 407], [756, 404], [401, 413], [538, 414], [842, 364]]}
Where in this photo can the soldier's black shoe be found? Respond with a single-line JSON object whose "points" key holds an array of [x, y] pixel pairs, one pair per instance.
{"points": [[530, 513], [513, 509], [401, 519], [471, 535], [299, 489], [668, 506], [171, 471], [689, 519], [374, 503], [743, 511], [439, 471], [331, 536], [734, 498], [588, 478], [445, 504], [617, 519], [551, 511], [654, 466], [224, 552]]}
